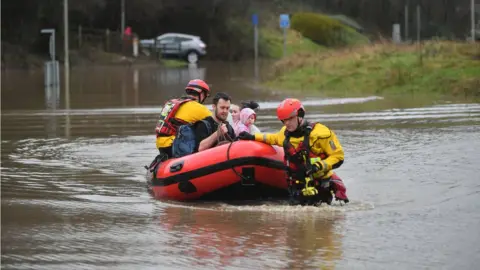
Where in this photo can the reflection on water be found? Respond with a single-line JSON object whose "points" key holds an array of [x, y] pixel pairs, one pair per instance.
{"points": [[95, 87], [52, 102], [115, 86], [172, 81], [52, 97], [178, 76], [224, 238]]}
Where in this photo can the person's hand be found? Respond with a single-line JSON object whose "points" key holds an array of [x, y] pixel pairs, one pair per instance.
{"points": [[246, 136], [315, 168], [223, 128]]}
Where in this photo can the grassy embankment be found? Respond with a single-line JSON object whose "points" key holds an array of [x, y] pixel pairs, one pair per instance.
{"points": [[296, 43], [442, 68], [172, 63]]}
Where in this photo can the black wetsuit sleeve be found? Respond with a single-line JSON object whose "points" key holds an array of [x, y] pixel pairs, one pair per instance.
{"points": [[201, 133]]}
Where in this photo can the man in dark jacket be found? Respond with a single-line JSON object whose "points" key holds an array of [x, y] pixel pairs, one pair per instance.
{"points": [[217, 129]]}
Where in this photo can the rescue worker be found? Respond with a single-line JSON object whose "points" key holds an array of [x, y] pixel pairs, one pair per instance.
{"points": [[312, 151], [184, 110]]}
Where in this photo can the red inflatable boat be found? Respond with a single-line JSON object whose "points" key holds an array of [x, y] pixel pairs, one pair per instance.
{"points": [[234, 171]]}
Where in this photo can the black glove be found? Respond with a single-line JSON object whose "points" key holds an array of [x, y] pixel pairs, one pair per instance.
{"points": [[246, 136], [313, 169]]}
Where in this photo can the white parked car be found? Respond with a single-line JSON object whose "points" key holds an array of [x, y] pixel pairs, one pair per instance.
{"points": [[188, 47]]}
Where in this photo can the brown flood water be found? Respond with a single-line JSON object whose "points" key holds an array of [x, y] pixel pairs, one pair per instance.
{"points": [[73, 191]]}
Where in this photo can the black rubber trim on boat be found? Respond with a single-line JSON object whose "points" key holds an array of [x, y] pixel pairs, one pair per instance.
{"points": [[253, 161]]}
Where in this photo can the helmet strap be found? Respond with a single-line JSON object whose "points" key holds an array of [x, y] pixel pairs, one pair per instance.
{"points": [[299, 123], [194, 94], [204, 97]]}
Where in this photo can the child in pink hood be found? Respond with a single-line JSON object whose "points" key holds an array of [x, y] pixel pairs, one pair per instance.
{"points": [[247, 118]]}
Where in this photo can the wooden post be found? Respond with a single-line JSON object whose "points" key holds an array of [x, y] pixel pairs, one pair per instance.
{"points": [[154, 49], [135, 46], [472, 14], [107, 40], [66, 63], [406, 22], [122, 18], [419, 27], [79, 36]]}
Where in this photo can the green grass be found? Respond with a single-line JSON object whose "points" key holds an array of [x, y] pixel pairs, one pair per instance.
{"points": [[272, 40], [172, 63], [446, 68]]}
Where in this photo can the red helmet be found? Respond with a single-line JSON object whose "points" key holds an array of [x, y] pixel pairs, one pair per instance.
{"points": [[198, 86], [290, 107]]}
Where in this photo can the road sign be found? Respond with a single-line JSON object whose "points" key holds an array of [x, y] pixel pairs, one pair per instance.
{"points": [[255, 42], [255, 19], [284, 21], [51, 44], [47, 31]]}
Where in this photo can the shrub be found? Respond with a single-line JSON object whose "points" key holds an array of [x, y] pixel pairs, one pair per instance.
{"points": [[325, 30]]}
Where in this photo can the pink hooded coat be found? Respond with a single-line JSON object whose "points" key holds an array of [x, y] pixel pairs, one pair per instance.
{"points": [[244, 115]]}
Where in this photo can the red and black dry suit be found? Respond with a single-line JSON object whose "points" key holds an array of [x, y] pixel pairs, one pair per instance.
{"points": [[177, 112]]}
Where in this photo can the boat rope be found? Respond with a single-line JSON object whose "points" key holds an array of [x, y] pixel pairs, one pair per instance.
{"points": [[233, 168], [228, 138]]}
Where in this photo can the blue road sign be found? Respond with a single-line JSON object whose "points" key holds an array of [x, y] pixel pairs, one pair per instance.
{"points": [[284, 21], [255, 19]]}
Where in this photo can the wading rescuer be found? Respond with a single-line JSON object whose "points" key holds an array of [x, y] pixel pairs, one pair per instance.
{"points": [[312, 151], [187, 109]]}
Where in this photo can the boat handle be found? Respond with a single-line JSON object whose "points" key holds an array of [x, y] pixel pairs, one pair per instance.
{"points": [[176, 167]]}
